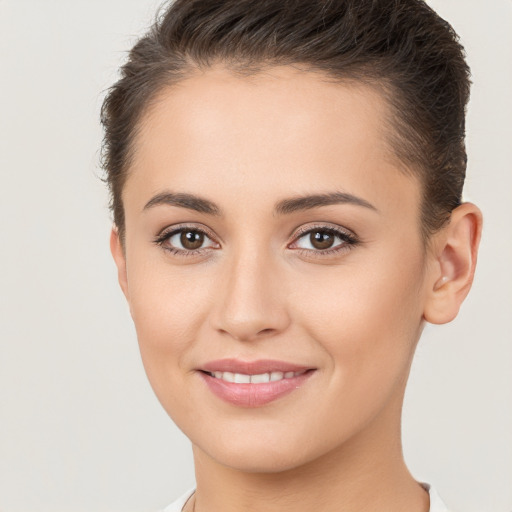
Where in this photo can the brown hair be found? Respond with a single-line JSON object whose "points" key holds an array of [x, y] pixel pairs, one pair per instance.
{"points": [[400, 46]]}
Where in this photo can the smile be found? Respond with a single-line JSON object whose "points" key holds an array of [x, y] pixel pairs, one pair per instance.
{"points": [[253, 384], [242, 378]]}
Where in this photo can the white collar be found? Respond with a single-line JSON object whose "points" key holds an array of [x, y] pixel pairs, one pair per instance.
{"points": [[436, 505]]}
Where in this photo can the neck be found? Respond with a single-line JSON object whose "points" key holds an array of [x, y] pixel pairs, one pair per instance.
{"points": [[367, 473]]}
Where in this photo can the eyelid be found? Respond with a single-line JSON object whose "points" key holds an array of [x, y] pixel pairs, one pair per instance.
{"points": [[176, 228], [325, 226], [348, 238], [169, 231]]}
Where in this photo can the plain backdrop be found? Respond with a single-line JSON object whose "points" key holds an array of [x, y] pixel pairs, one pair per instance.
{"points": [[80, 429]]}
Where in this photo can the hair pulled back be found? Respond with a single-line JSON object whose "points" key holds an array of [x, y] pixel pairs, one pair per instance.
{"points": [[402, 47]]}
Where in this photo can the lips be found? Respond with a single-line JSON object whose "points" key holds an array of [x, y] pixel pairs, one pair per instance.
{"points": [[253, 383], [259, 378]]}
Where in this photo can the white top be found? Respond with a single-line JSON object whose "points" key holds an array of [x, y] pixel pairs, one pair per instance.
{"points": [[436, 505]]}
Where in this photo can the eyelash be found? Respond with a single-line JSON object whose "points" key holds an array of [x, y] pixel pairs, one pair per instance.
{"points": [[166, 234], [348, 239]]}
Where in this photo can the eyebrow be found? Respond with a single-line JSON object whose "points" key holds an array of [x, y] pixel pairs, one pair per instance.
{"points": [[283, 207], [189, 201], [309, 202]]}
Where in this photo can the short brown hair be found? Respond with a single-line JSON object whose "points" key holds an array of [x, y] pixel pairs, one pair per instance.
{"points": [[401, 46]]}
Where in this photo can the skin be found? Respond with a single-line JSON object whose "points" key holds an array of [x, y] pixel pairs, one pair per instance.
{"points": [[258, 290]]}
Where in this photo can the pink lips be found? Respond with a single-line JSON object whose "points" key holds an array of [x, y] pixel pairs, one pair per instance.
{"points": [[253, 394]]}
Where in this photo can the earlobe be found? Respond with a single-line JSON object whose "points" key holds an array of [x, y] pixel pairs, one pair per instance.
{"points": [[452, 271], [117, 250]]}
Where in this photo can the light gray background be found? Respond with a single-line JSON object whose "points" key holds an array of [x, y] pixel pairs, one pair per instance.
{"points": [[80, 429]]}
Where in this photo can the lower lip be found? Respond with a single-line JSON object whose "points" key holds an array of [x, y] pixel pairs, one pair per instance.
{"points": [[254, 395]]}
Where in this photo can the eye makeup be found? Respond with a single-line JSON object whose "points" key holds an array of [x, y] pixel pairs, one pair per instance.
{"points": [[164, 238], [322, 234], [320, 237]]}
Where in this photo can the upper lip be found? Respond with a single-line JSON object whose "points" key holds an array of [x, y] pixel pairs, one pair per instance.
{"points": [[252, 367]]}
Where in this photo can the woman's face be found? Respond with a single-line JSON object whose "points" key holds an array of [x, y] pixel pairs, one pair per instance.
{"points": [[270, 233]]}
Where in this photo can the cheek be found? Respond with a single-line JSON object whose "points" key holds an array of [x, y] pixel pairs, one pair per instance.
{"points": [[165, 312], [367, 323], [368, 318], [166, 305]]}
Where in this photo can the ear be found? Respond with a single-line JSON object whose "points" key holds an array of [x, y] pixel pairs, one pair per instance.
{"points": [[117, 250], [454, 254]]}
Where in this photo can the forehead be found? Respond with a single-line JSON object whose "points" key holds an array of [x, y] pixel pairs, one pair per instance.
{"points": [[281, 131], [219, 106]]}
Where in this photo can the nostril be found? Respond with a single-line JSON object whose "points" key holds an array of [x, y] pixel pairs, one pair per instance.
{"points": [[265, 331]]}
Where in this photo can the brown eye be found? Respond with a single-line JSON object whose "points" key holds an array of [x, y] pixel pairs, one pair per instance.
{"points": [[191, 239], [324, 241], [185, 241], [321, 239]]}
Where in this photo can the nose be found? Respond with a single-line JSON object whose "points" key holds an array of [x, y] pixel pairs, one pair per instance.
{"points": [[251, 303]]}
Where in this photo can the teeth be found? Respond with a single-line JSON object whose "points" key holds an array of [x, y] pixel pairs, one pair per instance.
{"points": [[276, 376], [228, 377], [262, 377], [241, 378]]}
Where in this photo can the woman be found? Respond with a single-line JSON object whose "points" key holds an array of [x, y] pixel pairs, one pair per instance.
{"points": [[286, 182]]}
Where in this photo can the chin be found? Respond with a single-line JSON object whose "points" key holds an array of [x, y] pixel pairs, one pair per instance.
{"points": [[264, 450], [256, 459]]}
